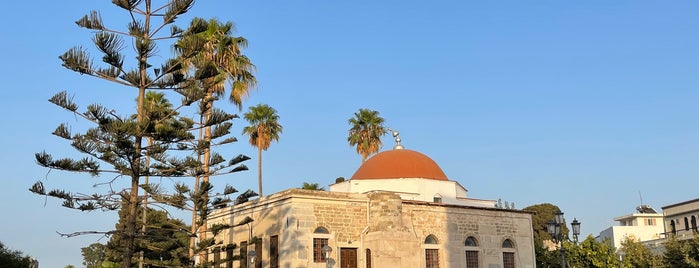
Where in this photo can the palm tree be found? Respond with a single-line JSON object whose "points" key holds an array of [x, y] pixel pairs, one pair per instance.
{"points": [[218, 60], [365, 132], [263, 129]]}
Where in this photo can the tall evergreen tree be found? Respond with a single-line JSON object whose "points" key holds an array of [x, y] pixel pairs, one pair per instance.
{"points": [[366, 129], [115, 140], [263, 129]]}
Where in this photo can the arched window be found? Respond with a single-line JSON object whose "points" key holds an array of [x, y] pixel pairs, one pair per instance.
{"points": [[508, 254], [694, 223], [508, 244], [321, 230], [437, 198], [431, 239], [673, 229], [321, 240], [368, 258], [686, 224], [431, 252], [471, 252], [471, 242]]}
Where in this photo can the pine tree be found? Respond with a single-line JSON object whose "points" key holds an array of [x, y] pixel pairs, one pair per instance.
{"points": [[114, 140]]}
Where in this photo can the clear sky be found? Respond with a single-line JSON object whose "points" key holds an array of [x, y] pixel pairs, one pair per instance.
{"points": [[589, 105]]}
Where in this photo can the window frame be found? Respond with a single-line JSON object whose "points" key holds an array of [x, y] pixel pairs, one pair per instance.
{"points": [[472, 252], [431, 247], [431, 258], [509, 251], [321, 238], [318, 244]]}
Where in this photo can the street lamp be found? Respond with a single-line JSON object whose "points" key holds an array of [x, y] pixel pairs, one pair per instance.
{"points": [[555, 229], [326, 251], [251, 255]]}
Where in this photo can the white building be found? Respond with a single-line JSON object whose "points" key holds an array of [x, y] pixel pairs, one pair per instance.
{"points": [[645, 225]]}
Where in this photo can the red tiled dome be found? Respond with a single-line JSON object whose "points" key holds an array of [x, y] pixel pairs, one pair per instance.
{"points": [[399, 163]]}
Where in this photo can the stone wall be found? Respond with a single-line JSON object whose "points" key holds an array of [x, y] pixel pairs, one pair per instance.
{"points": [[394, 232]]}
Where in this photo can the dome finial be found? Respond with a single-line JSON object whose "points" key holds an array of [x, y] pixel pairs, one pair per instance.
{"points": [[395, 134]]}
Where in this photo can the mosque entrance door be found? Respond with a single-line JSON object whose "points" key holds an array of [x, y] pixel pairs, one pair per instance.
{"points": [[348, 258]]}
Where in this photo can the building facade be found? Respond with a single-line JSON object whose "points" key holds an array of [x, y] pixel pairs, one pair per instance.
{"points": [[397, 210], [681, 219], [644, 225]]}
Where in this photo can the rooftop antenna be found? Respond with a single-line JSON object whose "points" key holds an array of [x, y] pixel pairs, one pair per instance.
{"points": [[644, 208], [395, 134]]}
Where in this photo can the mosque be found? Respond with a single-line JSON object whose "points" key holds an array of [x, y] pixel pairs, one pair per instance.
{"points": [[399, 209]]}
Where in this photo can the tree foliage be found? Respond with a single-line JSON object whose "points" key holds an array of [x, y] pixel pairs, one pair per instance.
{"points": [[635, 254], [13, 258], [544, 213], [164, 242], [366, 129], [94, 255], [681, 253], [312, 186], [592, 253]]}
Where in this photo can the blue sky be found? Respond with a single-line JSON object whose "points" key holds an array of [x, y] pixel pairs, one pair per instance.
{"points": [[588, 105]]}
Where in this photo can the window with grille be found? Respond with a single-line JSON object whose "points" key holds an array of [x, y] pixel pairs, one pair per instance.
{"points": [[508, 259], [471, 259], [318, 244], [431, 258]]}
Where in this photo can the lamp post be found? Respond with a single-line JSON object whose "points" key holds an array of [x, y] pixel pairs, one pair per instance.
{"points": [[555, 229], [251, 256], [621, 259], [326, 254]]}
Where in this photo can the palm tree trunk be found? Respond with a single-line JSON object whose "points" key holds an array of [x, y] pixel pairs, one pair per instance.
{"points": [[259, 170]]}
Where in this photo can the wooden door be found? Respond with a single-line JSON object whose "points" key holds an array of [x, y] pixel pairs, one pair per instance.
{"points": [[348, 258]]}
